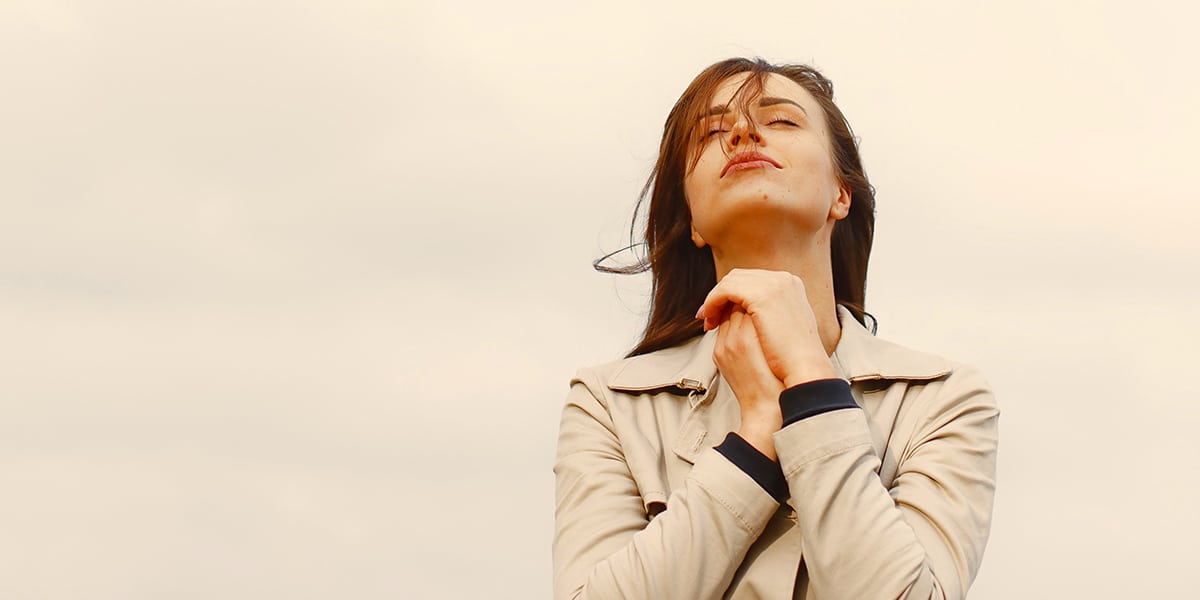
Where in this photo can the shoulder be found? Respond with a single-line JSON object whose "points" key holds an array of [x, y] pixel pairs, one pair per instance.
{"points": [[938, 391], [682, 368], [864, 357], [933, 388], [922, 397]]}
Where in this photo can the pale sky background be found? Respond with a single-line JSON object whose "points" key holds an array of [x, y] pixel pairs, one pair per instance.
{"points": [[290, 293]]}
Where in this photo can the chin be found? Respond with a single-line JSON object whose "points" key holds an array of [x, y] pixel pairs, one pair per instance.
{"points": [[765, 204], [765, 218]]}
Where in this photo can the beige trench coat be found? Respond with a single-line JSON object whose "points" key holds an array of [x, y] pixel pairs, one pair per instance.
{"points": [[892, 501]]}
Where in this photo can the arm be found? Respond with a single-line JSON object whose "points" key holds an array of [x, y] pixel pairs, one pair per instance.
{"points": [[919, 536], [605, 544], [924, 536]]}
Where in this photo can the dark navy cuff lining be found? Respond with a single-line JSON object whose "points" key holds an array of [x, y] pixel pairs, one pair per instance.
{"points": [[812, 398], [766, 472]]}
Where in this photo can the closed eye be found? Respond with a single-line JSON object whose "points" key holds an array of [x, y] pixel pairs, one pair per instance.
{"points": [[783, 121]]}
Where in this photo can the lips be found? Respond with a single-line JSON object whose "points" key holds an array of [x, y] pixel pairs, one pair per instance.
{"points": [[749, 160]]}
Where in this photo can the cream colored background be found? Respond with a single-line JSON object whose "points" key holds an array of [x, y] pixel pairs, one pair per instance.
{"points": [[290, 292]]}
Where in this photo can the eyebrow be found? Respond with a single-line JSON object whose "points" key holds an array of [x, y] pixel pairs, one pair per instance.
{"points": [[762, 102]]}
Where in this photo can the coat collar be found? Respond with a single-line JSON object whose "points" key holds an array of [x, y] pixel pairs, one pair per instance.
{"points": [[859, 356]]}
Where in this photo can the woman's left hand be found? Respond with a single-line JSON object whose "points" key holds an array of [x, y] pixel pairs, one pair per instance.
{"points": [[778, 306], [738, 355]]}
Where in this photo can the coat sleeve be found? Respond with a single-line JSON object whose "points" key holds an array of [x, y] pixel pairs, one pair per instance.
{"points": [[605, 543], [920, 536]]}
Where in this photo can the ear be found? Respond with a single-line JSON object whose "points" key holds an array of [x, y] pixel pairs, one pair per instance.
{"points": [[697, 239], [840, 207]]}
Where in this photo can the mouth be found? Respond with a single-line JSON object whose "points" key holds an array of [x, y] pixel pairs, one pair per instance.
{"points": [[748, 160]]}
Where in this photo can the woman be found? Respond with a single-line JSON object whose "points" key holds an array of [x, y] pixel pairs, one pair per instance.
{"points": [[759, 442]]}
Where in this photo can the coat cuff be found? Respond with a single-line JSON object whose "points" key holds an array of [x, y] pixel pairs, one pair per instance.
{"points": [[813, 398], [763, 470], [733, 489]]}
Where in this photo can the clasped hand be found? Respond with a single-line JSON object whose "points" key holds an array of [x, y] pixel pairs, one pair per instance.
{"points": [[767, 341]]}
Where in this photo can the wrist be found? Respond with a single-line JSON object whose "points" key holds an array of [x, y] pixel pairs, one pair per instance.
{"points": [[762, 439], [809, 369], [758, 429], [814, 398]]}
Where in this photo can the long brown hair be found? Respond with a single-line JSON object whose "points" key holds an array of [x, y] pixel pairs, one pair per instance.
{"points": [[683, 274]]}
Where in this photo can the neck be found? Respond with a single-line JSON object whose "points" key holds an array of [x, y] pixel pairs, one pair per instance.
{"points": [[812, 264]]}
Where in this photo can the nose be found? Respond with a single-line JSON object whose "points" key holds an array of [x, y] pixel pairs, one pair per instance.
{"points": [[743, 131]]}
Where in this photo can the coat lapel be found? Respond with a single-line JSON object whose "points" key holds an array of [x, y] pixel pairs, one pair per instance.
{"points": [[686, 371]]}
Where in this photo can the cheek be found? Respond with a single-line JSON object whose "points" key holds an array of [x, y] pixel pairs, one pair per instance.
{"points": [[698, 183], [817, 169], [814, 174], [689, 191]]}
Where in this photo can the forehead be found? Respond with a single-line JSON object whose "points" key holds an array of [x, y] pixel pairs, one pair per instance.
{"points": [[774, 85]]}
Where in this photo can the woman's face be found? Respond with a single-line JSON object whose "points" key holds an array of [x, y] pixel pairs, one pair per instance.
{"points": [[773, 169]]}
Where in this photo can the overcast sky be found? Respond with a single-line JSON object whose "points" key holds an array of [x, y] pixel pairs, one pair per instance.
{"points": [[290, 293]]}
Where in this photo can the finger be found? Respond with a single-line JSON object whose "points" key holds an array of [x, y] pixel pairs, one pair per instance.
{"points": [[754, 291], [728, 292], [714, 316], [743, 338], [722, 335], [711, 313], [739, 353], [727, 331], [724, 346], [748, 345], [754, 355], [736, 326]]}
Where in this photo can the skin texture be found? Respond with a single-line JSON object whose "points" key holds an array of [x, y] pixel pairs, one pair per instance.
{"points": [[768, 225]]}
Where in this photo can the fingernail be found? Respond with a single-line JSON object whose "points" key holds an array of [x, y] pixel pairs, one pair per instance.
{"points": [[700, 312]]}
